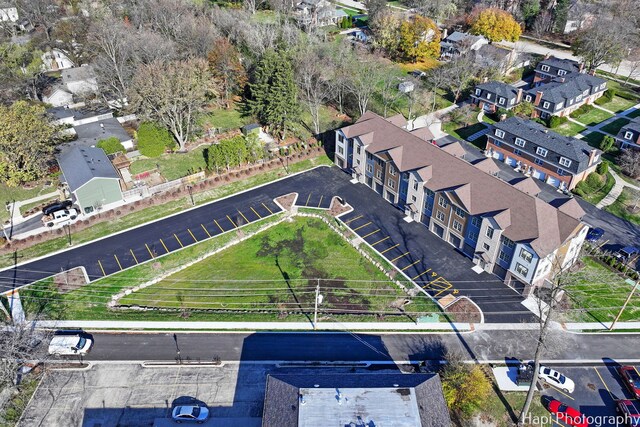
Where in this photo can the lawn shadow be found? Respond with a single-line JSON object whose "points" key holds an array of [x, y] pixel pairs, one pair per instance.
{"points": [[287, 280]]}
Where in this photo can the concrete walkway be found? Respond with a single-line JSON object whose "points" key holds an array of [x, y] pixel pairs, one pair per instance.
{"points": [[615, 192], [15, 209]]}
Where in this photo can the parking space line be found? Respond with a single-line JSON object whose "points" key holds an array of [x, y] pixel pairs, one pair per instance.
{"points": [[221, 229], [165, 246], [560, 391], [118, 261], [353, 219], [398, 257], [603, 383], [362, 226], [181, 245], [421, 274], [254, 211], [194, 237], [381, 240], [101, 268], [320, 202], [134, 256], [392, 247], [245, 218], [205, 230], [308, 198], [410, 265], [234, 224], [150, 253], [373, 232], [267, 207]]}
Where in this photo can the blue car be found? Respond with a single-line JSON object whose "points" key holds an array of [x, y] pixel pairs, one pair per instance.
{"points": [[595, 234]]}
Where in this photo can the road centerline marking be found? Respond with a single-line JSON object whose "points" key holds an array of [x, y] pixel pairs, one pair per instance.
{"points": [[400, 256], [118, 261], [134, 256], [362, 226], [380, 241], [181, 245], [194, 237], [392, 247], [410, 265], [205, 230]]}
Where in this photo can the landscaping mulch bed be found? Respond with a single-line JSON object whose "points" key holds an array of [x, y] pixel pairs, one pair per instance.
{"points": [[287, 200], [338, 208], [69, 280], [464, 310]]}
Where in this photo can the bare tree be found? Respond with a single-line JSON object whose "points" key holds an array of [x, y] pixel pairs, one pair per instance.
{"points": [[312, 79], [630, 162], [435, 80], [366, 73], [20, 343], [172, 93], [389, 92], [598, 45], [458, 74], [40, 13], [252, 5]]}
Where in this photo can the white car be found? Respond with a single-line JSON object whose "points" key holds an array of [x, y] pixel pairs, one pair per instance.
{"points": [[59, 217], [190, 414], [70, 345], [556, 379]]}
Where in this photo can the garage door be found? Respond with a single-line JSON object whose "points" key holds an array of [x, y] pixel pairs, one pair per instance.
{"points": [[498, 155], [538, 175], [511, 162], [454, 240], [553, 181], [378, 188], [438, 230]]}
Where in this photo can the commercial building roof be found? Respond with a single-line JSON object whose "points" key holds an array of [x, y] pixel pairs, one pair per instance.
{"points": [[80, 165], [532, 220], [411, 400]]}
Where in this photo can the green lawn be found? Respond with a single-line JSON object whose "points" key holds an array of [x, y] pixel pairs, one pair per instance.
{"points": [[464, 132], [9, 194], [497, 409], [598, 194], [156, 212], [277, 270], [619, 104], [597, 293], [225, 119], [173, 166], [614, 127], [627, 206], [397, 4], [569, 129], [592, 117], [349, 11], [594, 139]]}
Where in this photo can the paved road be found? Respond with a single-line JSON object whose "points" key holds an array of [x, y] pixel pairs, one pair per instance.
{"points": [[321, 346], [315, 188]]}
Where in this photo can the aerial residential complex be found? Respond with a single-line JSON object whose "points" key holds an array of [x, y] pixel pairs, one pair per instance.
{"points": [[551, 67], [505, 230], [561, 161]]}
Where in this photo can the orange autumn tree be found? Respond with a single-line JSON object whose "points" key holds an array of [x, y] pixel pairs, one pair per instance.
{"points": [[496, 25]]}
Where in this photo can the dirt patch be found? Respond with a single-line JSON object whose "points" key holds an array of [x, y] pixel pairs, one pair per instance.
{"points": [[69, 280], [286, 201], [464, 310], [338, 208]]}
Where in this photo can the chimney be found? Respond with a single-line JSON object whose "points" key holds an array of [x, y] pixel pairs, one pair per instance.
{"points": [[581, 67], [519, 95], [592, 156], [444, 35], [536, 101]]}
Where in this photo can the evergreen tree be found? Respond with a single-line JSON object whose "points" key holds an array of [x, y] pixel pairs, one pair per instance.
{"points": [[272, 91], [560, 13]]}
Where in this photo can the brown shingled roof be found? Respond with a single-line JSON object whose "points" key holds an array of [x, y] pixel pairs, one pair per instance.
{"points": [[531, 219], [528, 185]]}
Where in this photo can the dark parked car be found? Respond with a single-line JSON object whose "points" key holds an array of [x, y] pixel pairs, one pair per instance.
{"points": [[57, 206], [631, 378], [630, 411], [595, 234], [625, 254]]}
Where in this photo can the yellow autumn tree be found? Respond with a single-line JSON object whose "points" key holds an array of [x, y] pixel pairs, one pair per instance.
{"points": [[418, 39], [496, 25]]}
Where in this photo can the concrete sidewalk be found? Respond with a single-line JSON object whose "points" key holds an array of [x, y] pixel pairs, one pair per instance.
{"points": [[615, 191]]}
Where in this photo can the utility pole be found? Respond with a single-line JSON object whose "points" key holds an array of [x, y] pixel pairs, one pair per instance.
{"points": [[633, 289], [67, 227], [190, 189], [318, 301]]}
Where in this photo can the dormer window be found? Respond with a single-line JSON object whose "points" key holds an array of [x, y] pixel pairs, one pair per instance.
{"points": [[528, 98], [561, 72], [586, 92], [520, 142], [628, 135], [559, 106], [488, 96], [478, 91], [565, 162], [501, 101], [513, 101], [545, 68], [541, 151], [499, 133], [545, 105]]}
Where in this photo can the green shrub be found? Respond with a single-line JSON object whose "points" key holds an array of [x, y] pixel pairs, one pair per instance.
{"points": [[594, 180], [603, 168], [582, 110], [111, 145], [153, 139], [628, 96], [556, 121]]}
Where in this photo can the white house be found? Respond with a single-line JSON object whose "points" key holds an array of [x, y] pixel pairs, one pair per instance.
{"points": [[8, 12], [80, 80], [56, 59]]}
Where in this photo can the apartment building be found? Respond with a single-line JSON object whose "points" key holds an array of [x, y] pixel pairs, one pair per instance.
{"points": [[629, 134], [492, 95], [552, 67], [506, 231], [563, 95], [536, 151]]}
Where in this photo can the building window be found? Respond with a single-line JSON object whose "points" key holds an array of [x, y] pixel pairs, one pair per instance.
{"points": [[571, 101], [565, 162], [489, 232], [541, 151], [457, 226], [602, 86], [486, 247], [478, 91], [413, 198], [504, 256], [497, 143], [545, 68], [526, 255], [578, 98], [370, 168], [499, 133], [517, 152], [560, 172], [473, 236], [340, 150], [415, 185], [586, 92], [429, 193], [488, 96], [379, 174], [528, 98], [561, 72], [459, 212], [440, 216], [545, 105], [358, 149], [340, 137], [520, 142], [392, 170], [559, 106], [405, 176], [442, 202], [538, 162], [501, 101], [628, 135], [476, 221], [507, 242], [522, 270], [513, 101], [391, 183]]}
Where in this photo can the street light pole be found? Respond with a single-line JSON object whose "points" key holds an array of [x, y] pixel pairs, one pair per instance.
{"points": [[633, 289]]}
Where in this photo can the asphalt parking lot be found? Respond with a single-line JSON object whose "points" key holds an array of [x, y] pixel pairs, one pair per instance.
{"points": [[596, 390]]}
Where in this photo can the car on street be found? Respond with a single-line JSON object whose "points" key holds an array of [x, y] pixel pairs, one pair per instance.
{"points": [[631, 378], [59, 217], [625, 254], [70, 345], [567, 414], [56, 206], [595, 234], [630, 410], [190, 414], [556, 379]]}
